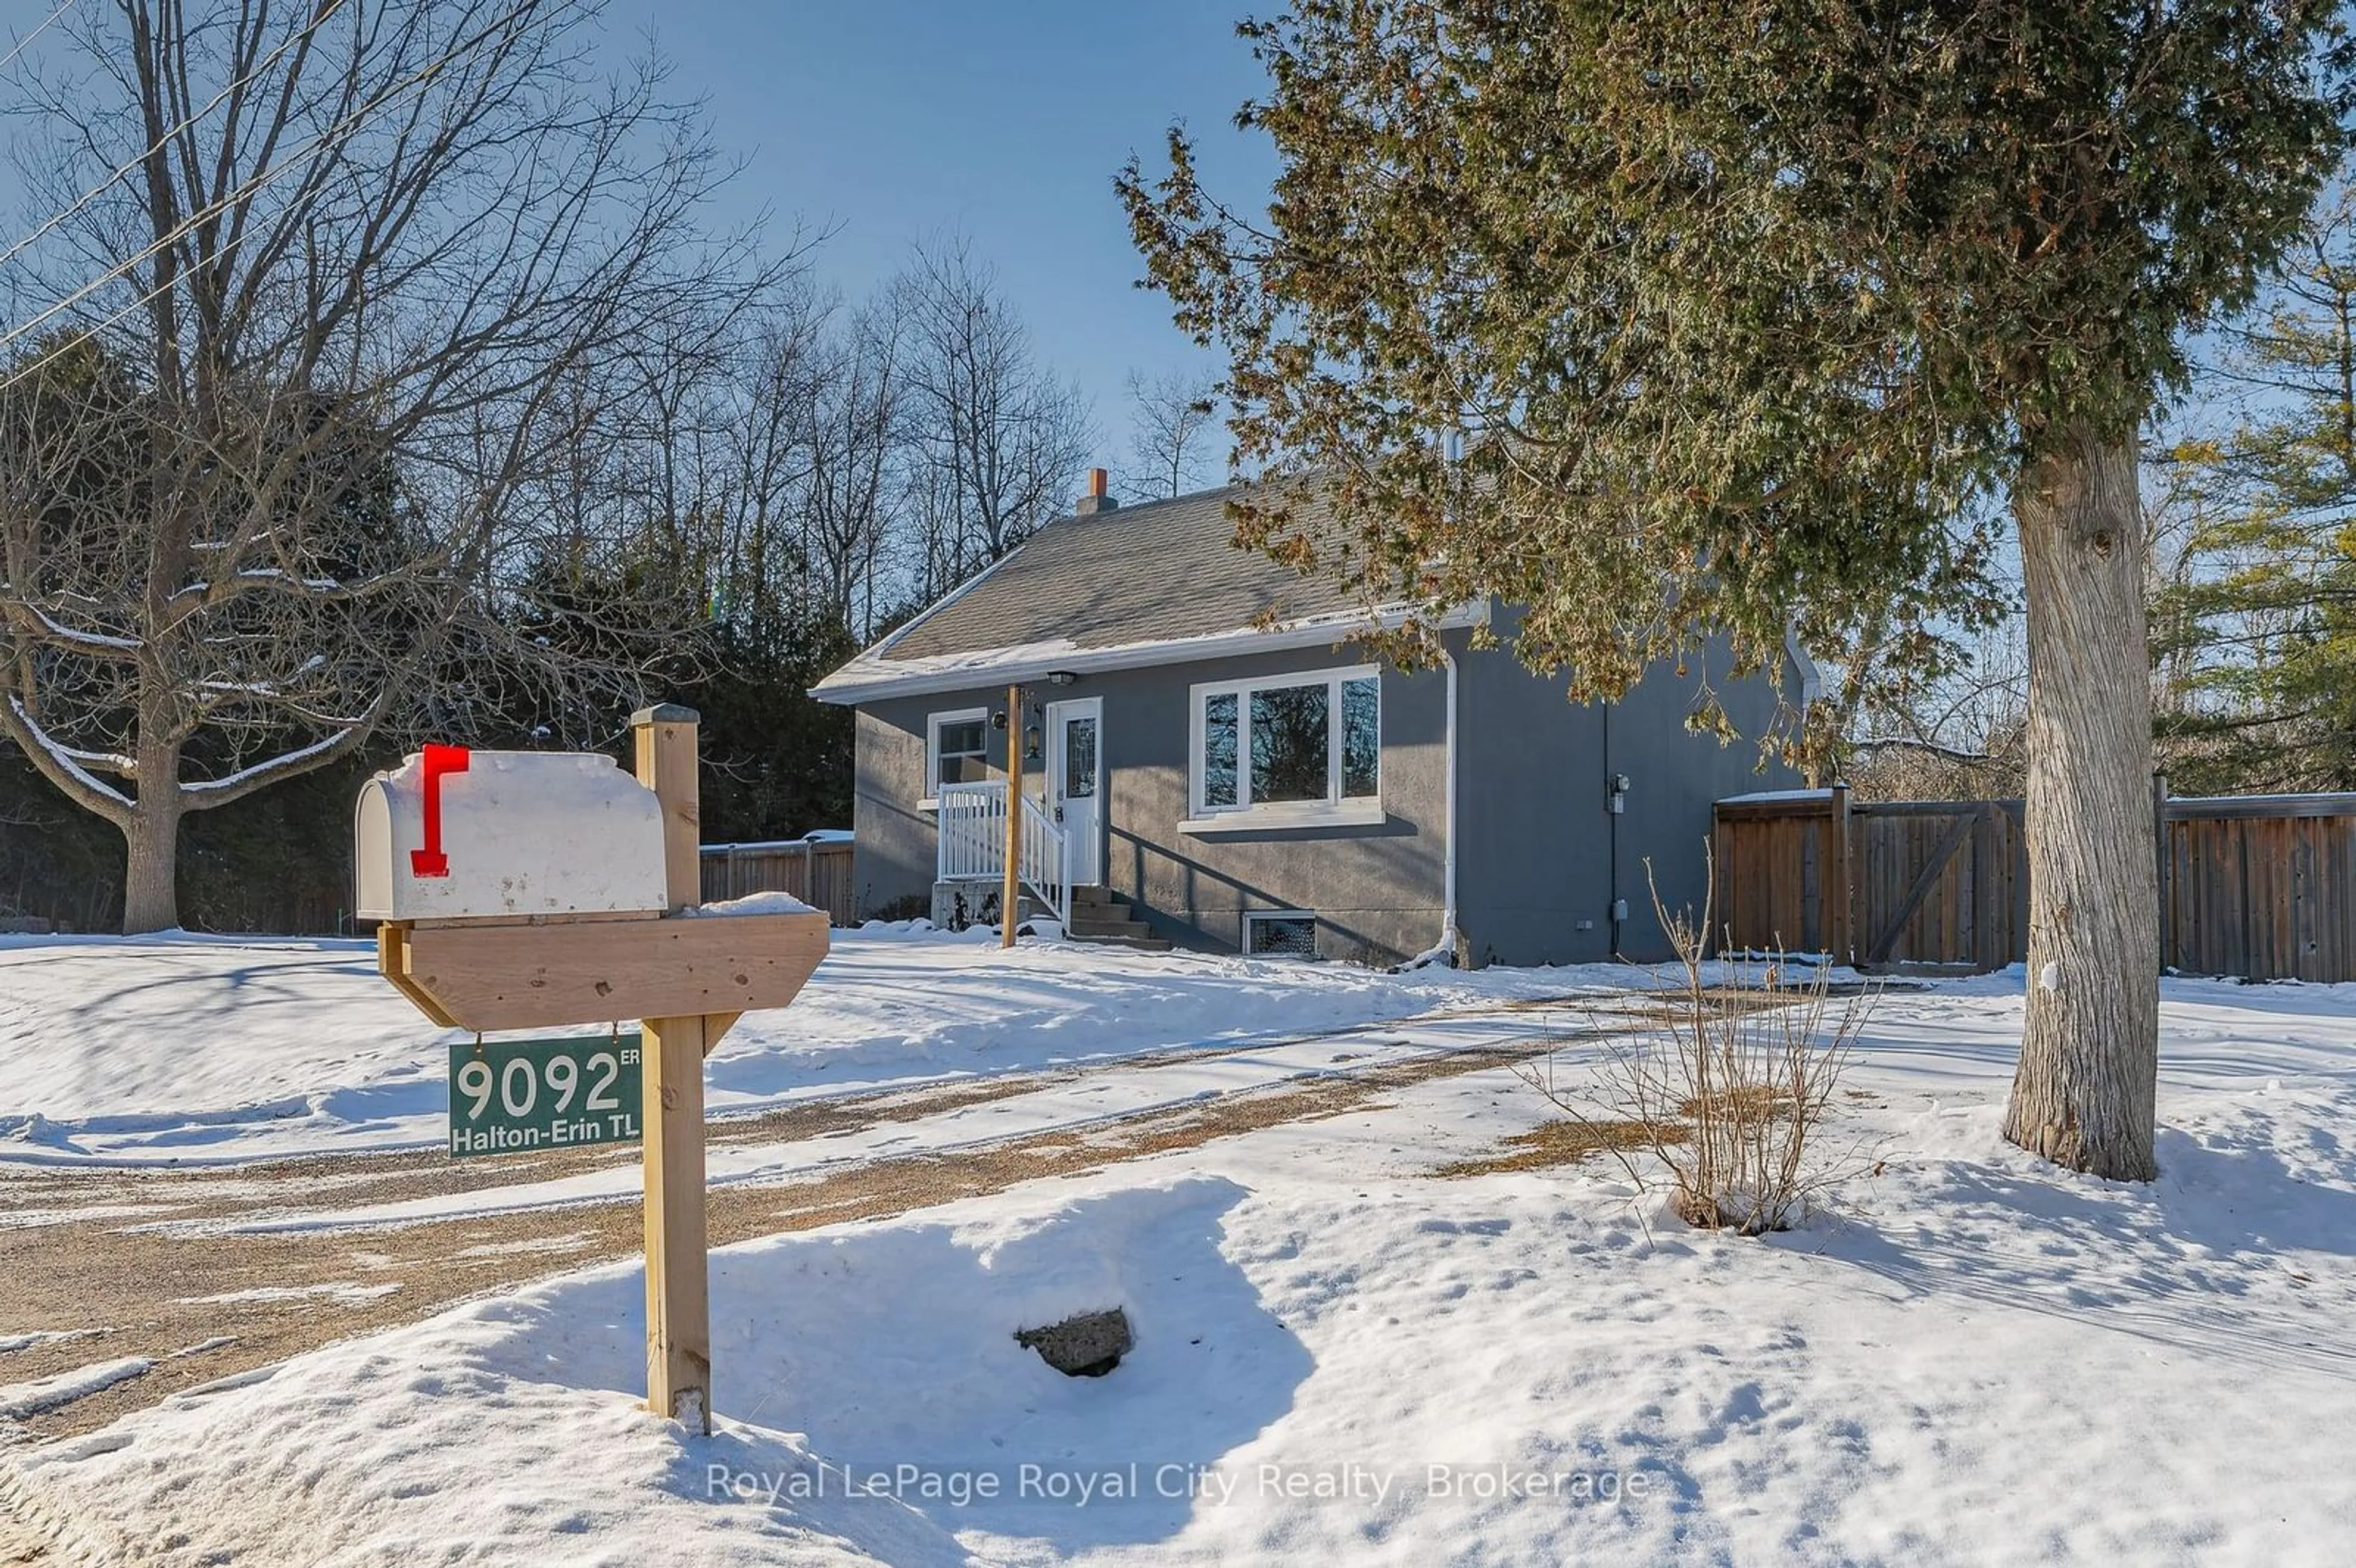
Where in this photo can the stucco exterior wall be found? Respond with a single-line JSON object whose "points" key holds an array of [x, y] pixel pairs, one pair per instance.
{"points": [[893, 858], [1375, 889], [1543, 856], [1675, 775], [1535, 843]]}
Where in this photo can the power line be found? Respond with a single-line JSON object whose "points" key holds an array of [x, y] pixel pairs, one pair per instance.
{"points": [[261, 178], [9, 58], [122, 170]]}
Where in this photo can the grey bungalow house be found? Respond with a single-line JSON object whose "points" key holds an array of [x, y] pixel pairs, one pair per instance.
{"points": [[1207, 762]]}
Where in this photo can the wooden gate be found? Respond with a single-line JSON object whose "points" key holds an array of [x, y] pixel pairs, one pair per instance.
{"points": [[1940, 882], [1914, 882], [1935, 882]]}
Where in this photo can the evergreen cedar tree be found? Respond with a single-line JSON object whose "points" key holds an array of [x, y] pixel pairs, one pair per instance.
{"points": [[2263, 625], [1673, 317]]}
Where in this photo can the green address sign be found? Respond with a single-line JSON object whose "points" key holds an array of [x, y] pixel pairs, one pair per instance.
{"points": [[517, 1096]]}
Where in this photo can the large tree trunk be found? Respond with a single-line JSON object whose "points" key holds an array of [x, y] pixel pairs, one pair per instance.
{"points": [[2083, 1095], [151, 898]]}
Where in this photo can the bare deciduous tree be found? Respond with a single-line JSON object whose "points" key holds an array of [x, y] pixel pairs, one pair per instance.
{"points": [[319, 302], [1173, 422], [854, 428], [775, 373], [995, 439]]}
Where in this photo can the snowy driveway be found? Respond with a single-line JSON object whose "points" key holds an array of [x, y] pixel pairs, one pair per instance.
{"points": [[185, 1050], [225, 1265]]}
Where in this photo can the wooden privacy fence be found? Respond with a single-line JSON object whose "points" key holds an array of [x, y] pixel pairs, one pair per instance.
{"points": [[816, 871], [2261, 887]]}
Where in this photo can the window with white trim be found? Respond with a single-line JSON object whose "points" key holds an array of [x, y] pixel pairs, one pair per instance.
{"points": [[956, 749], [1289, 746]]}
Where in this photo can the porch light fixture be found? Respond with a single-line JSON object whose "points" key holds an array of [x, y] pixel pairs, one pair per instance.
{"points": [[1030, 736], [1061, 677]]}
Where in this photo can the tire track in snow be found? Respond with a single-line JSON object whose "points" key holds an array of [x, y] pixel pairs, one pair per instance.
{"points": [[244, 1299]]}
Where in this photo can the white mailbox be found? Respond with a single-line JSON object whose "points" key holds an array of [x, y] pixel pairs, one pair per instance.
{"points": [[454, 834]]}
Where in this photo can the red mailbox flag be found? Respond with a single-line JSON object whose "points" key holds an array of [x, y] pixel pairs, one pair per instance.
{"points": [[431, 861]]}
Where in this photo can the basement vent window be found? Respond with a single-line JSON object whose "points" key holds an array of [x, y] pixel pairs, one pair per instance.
{"points": [[1285, 933]]}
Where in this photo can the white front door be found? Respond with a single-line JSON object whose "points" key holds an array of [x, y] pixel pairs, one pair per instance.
{"points": [[1075, 784]]}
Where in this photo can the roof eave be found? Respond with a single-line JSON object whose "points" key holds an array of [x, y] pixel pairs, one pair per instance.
{"points": [[869, 679]]}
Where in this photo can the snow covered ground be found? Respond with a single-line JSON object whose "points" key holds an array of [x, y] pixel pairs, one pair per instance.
{"points": [[1340, 1356], [189, 1049]]}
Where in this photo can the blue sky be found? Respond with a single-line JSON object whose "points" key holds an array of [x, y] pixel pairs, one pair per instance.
{"points": [[891, 119]]}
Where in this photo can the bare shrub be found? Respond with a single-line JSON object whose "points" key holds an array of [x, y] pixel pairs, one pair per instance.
{"points": [[1727, 1080]]}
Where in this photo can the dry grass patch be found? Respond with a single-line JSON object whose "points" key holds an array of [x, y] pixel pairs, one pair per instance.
{"points": [[1670, 1004], [1741, 1102], [1552, 1144]]}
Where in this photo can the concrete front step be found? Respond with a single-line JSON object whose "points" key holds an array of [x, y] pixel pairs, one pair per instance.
{"points": [[1100, 915], [1142, 944], [1086, 925], [1097, 916]]}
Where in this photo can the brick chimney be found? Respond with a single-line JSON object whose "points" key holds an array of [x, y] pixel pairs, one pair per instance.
{"points": [[1096, 500]]}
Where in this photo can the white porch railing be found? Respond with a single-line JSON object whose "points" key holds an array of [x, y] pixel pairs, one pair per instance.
{"points": [[972, 820]]}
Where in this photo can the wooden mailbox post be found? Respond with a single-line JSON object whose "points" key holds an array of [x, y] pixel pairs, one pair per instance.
{"points": [[686, 978]]}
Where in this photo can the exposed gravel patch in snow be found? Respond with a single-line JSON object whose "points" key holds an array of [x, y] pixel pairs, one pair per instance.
{"points": [[19, 1401]]}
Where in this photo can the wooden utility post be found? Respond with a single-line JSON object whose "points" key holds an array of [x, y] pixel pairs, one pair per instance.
{"points": [[665, 741], [1009, 893], [678, 1308], [679, 1302]]}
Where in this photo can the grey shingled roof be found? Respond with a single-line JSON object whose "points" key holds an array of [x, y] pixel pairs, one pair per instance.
{"points": [[1140, 573]]}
